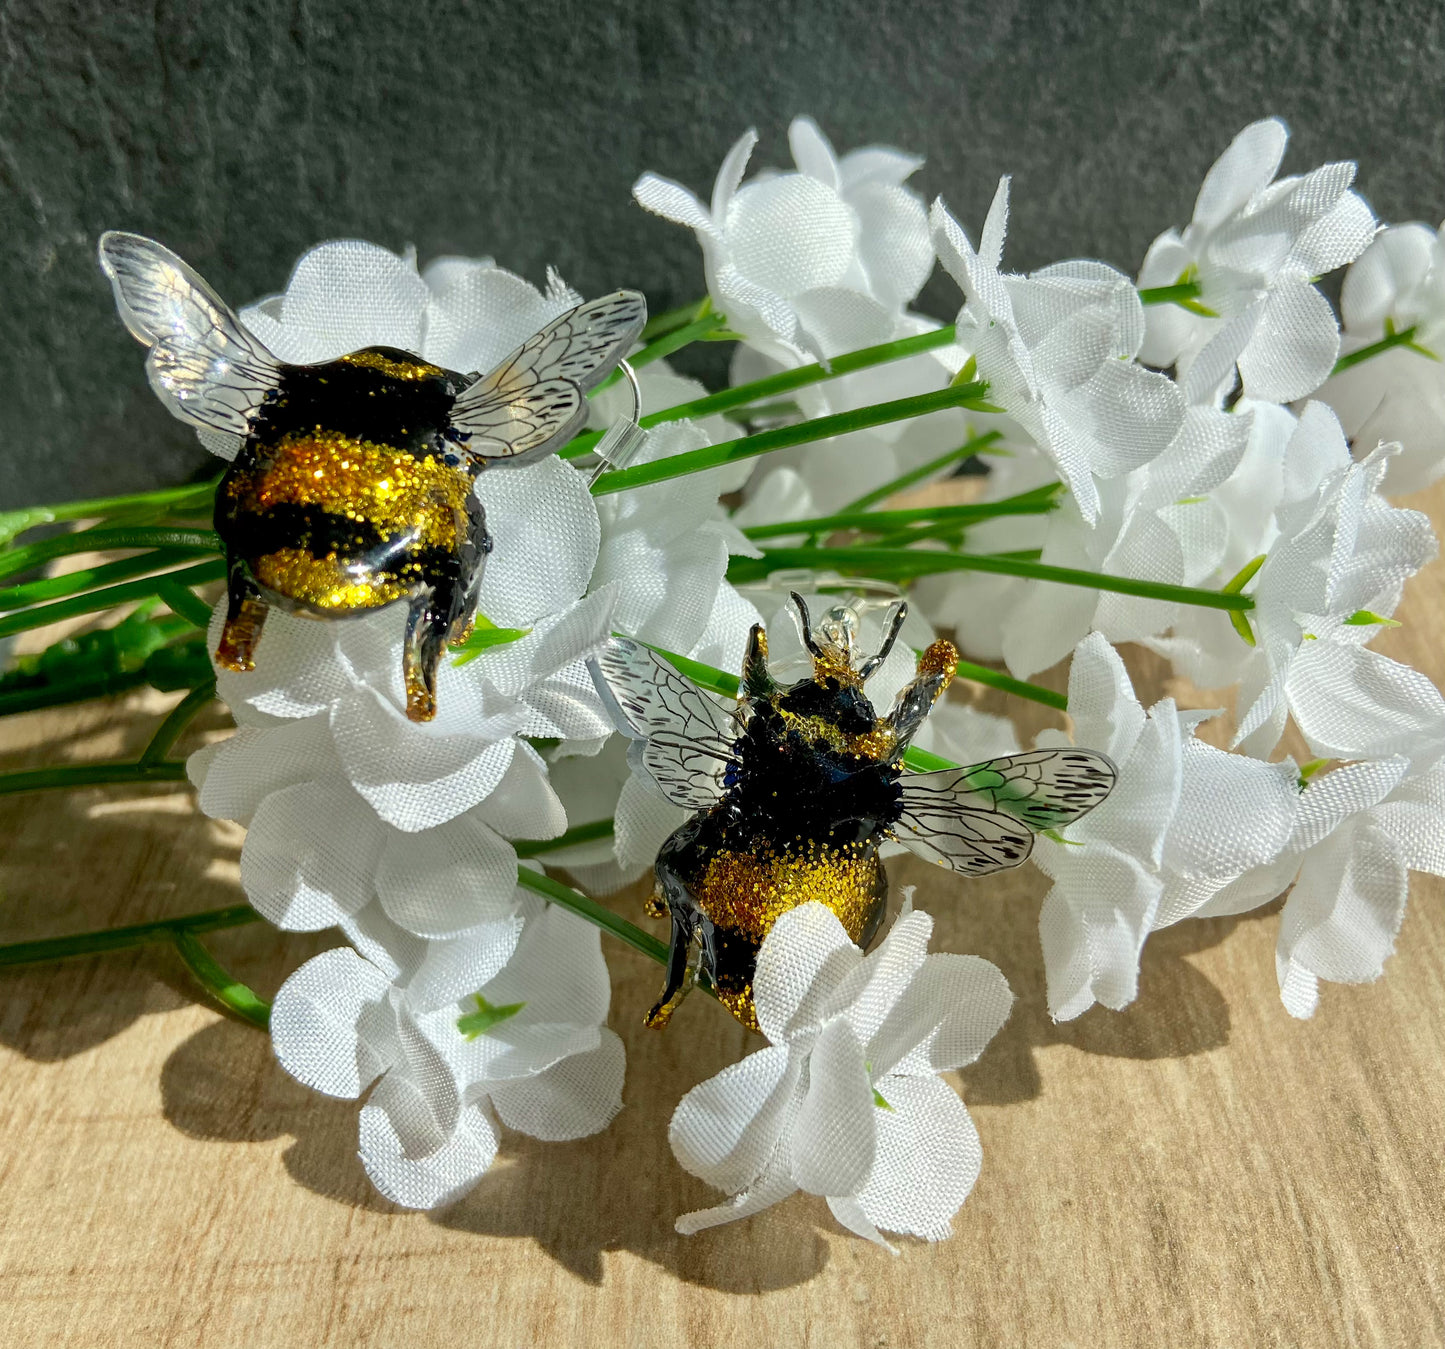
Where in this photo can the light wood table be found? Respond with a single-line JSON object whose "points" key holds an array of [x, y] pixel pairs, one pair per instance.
{"points": [[1198, 1170]]}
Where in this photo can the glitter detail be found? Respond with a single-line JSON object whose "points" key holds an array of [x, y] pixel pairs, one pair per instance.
{"points": [[878, 743], [940, 658], [747, 893], [239, 636], [328, 583], [393, 490], [739, 1001], [414, 369]]}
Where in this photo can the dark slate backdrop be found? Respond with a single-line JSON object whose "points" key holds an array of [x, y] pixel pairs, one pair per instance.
{"points": [[241, 132]]}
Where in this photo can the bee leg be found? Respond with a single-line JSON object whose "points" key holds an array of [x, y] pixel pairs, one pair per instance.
{"points": [[245, 617], [426, 637], [471, 558], [684, 931]]}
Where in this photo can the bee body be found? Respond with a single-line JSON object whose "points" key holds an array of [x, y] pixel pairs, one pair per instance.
{"points": [[812, 794], [352, 488]]}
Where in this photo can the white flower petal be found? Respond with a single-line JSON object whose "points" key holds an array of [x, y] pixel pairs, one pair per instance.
{"points": [[574, 1098], [436, 1178], [314, 1022], [311, 854], [927, 1160], [725, 1129], [545, 533], [803, 960], [441, 881], [832, 1134]]}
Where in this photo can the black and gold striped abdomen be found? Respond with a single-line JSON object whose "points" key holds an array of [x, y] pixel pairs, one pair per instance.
{"points": [[347, 496]]}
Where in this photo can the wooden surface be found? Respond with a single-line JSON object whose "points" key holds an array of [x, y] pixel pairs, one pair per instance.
{"points": [[1198, 1170]]}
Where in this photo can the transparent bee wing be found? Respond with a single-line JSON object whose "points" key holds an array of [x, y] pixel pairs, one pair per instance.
{"points": [[684, 739], [203, 364], [533, 401], [983, 817]]}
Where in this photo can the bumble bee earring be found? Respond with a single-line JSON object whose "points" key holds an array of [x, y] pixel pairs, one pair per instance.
{"points": [[352, 488]]}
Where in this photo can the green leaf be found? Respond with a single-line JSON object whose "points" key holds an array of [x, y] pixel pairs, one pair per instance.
{"points": [[1363, 618], [879, 1101], [486, 1016], [17, 522], [484, 635], [968, 374], [1243, 576], [1241, 625], [1308, 770], [1057, 836]]}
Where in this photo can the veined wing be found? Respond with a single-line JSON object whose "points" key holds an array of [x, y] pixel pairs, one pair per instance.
{"points": [[1044, 788], [203, 364], [533, 401], [983, 817], [683, 738]]}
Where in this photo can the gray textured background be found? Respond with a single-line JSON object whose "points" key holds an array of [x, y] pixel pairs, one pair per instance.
{"points": [[241, 132]]}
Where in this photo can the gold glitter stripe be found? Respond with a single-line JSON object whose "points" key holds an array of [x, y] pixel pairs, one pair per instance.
{"points": [[413, 369], [325, 583], [359, 480]]}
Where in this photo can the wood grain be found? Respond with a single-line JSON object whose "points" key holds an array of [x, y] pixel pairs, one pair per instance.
{"points": [[1198, 1170]]}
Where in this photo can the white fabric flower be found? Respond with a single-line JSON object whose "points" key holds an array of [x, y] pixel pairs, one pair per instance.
{"points": [[1339, 565], [1183, 821], [665, 547], [1359, 831], [845, 1102], [348, 675], [819, 260], [463, 314], [430, 1126], [316, 852], [1398, 395], [1057, 349], [1255, 247]]}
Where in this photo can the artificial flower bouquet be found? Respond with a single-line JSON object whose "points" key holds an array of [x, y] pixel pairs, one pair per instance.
{"points": [[532, 686]]}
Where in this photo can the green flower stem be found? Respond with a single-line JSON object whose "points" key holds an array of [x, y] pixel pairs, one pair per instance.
{"points": [[675, 340], [581, 833], [230, 992], [786, 381], [906, 563], [69, 776], [596, 914], [191, 496], [77, 690], [1037, 502], [180, 716], [89, 578], [1185, 290], [103, 539], [1404, 338], [601, 917], [659, 325], [783, 437], [124, 938], [96, 600], [755, 391], [904, 481], [185, 603]]}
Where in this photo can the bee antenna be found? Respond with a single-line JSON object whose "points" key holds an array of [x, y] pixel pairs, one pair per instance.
{"points": [[893, 623], [807, 625]]}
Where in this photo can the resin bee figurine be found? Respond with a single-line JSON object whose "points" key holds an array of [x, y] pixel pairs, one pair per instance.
{"points": [[353, 485], [795, 787]]}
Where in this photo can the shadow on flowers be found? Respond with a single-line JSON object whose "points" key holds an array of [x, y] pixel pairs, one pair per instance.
{"points": [[1178, 1011]]}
